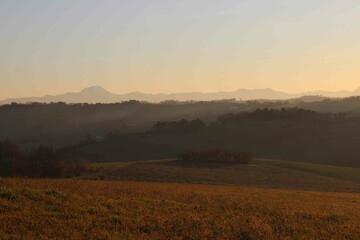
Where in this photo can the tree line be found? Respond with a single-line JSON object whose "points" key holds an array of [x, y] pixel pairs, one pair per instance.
{"points": [[286, 114], [39, 162]]}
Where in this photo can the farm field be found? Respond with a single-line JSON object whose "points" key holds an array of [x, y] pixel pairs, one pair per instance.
{"points": [[86, 209], [260, 173], [344, 173]]}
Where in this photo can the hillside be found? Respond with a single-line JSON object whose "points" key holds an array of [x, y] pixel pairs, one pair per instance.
{"points": [[308, 140], [73, 209], [60, 124], [97, 94]]}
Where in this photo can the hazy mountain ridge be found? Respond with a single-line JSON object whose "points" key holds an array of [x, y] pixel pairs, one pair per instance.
{"points": [[97, 94]]}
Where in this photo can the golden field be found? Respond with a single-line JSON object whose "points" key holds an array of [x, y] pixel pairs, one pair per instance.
{"points": [[85, 209]]}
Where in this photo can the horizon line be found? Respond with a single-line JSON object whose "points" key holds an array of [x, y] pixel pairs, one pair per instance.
{"points": [[183, 92]]}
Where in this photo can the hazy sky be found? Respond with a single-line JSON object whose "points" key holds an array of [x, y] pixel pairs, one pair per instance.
{"points": [[54, 46]]}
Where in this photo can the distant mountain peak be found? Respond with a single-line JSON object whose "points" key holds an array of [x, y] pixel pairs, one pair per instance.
{"points": [[97, 94], [95, 90]]}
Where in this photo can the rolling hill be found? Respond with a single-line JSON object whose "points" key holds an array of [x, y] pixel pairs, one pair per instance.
{"points": [[97, 94], [314, 141]]}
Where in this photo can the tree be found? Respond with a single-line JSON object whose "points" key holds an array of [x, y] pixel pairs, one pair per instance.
{"points": [[42, 161], [11, 159]]}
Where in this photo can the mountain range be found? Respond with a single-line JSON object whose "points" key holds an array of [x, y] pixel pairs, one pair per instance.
{"points": [[97, 94]]}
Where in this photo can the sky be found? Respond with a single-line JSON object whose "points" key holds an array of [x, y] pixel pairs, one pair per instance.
{"points": [[152, 46]]}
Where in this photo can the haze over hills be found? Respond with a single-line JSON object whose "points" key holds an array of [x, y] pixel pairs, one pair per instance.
{"points": [[97, 94]]}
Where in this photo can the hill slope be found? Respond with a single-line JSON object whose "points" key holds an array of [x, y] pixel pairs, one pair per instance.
{"points": [[326, 142], [97, 94]]}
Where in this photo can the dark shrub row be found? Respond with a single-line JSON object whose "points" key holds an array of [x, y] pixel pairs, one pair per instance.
{"points": [[38, 162], [215, 155]]}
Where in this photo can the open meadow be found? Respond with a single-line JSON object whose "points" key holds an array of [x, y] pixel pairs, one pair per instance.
{"points": [[85, 209]]}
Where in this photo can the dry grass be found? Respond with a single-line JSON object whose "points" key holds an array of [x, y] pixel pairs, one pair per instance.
{"points": [[258, 174], [81, 209]]}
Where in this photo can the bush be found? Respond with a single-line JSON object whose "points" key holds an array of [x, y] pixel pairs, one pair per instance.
{"points": [[72, 168], [42, 162], [215, 155], [11, 158]]}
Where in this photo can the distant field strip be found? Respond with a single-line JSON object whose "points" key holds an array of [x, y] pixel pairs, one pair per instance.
{"points": [[114, 165], [261, 173], [343, 173]]}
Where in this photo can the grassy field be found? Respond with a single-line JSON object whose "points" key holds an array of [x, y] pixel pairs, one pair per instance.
{"points": [[84, 209], [261, 173], [169, 199]]}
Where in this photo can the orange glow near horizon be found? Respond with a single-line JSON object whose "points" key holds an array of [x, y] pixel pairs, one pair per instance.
{"points": [[208, 46]]}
